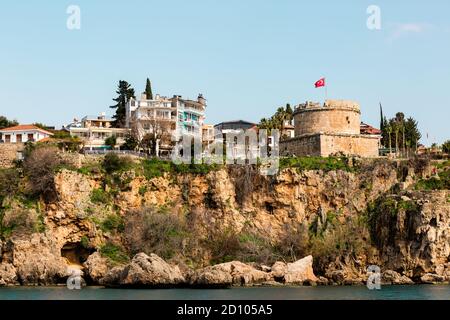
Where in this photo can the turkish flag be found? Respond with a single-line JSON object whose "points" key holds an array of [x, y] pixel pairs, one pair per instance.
{"points": [[320, 83]]}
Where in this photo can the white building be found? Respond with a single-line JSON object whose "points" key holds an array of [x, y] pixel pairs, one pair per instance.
{"points": [[170, 116], [93, 131], [23, 133]]}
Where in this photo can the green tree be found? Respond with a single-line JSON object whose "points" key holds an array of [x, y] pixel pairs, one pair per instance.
{"points": [[111, 141], [5, 123], [289, 111], [131, 143], [125, 92], [412, 133], [40, 125], [148, 90], [446, 146]]}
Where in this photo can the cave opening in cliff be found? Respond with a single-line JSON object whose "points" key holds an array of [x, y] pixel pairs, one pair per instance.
{"points": [[75, 253]]}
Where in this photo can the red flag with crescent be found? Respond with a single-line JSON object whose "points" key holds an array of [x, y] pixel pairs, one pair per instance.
{"points": [[320, 83]]}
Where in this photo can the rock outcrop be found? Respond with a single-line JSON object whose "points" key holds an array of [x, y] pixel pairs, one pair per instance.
{"points": [[8, 275], [37, 261], [391, 277], [227, 274], [297, 273], [145, 271], [96, 267]]}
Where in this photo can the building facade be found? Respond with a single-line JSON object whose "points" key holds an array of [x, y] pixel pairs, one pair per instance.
{"points": [[23, 133], [167, 119], [334, 128], [93, 131]]}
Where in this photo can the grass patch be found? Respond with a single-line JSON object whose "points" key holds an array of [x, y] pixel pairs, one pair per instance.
{"points": [[154, 168], [316, 163], [90, 169]]}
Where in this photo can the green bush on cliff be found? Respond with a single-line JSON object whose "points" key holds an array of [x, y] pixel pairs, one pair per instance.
{"points": [[115, 163], [154, 168], [114, 253], [350, 239], [9, 183], [112, 222], [40, 166], [435, 183], [150, 231], [316, 163], [100, 196]]}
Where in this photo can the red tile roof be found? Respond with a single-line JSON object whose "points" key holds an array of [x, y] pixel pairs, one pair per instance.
{"points": [[368, 129], [24, 127]]}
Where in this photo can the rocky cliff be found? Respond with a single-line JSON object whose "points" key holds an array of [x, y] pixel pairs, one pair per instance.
{"points": [[115, 224]]}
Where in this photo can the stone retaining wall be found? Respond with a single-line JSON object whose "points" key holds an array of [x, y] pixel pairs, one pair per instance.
{"points": [[9, 153]]}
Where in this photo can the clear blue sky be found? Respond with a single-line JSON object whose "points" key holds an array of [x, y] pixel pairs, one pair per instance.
{"points": [[246, 57]]}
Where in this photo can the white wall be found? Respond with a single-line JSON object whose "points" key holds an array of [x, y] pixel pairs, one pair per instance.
{"points": [[37, 135]]}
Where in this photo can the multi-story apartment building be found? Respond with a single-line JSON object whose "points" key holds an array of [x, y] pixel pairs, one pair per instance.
{"points": [[93, 130], [165, 118]]}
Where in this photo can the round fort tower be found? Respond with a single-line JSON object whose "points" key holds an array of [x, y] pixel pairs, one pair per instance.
{"points": [[335, 116]]}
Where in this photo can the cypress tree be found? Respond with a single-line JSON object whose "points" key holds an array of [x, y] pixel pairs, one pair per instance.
{"points": [[148, 90]]}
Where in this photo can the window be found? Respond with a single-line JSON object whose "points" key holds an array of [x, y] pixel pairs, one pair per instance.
{"points": [[7, 138], [30, 137], [19, 138]]}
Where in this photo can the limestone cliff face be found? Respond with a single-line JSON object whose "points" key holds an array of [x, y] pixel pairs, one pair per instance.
{"points": [[237, 198]]}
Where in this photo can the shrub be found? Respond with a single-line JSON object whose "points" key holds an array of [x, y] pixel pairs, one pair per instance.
{"points": [[100, 196], [9, 183], [90, 168], [113, 222], [150, 231], [40, 167], [441, 183], [113, 163], [224, 245], [114, 253], [294, 242], [85, 242], [21, 221], [343, 240]]}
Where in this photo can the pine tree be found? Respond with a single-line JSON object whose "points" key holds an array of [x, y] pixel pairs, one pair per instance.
{"points": [[148, 90], [412, 133], [125, 92]]}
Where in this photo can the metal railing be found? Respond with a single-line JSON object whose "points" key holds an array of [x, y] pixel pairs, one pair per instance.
{"points": [[124, 152]]}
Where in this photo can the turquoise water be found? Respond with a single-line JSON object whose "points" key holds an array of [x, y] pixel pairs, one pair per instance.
{"points": [[418, 292]]}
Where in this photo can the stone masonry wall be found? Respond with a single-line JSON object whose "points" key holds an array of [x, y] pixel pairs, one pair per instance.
{"points": [[8, 153], [360, 145], [301, 146], [325, 145], [335, 120]]}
